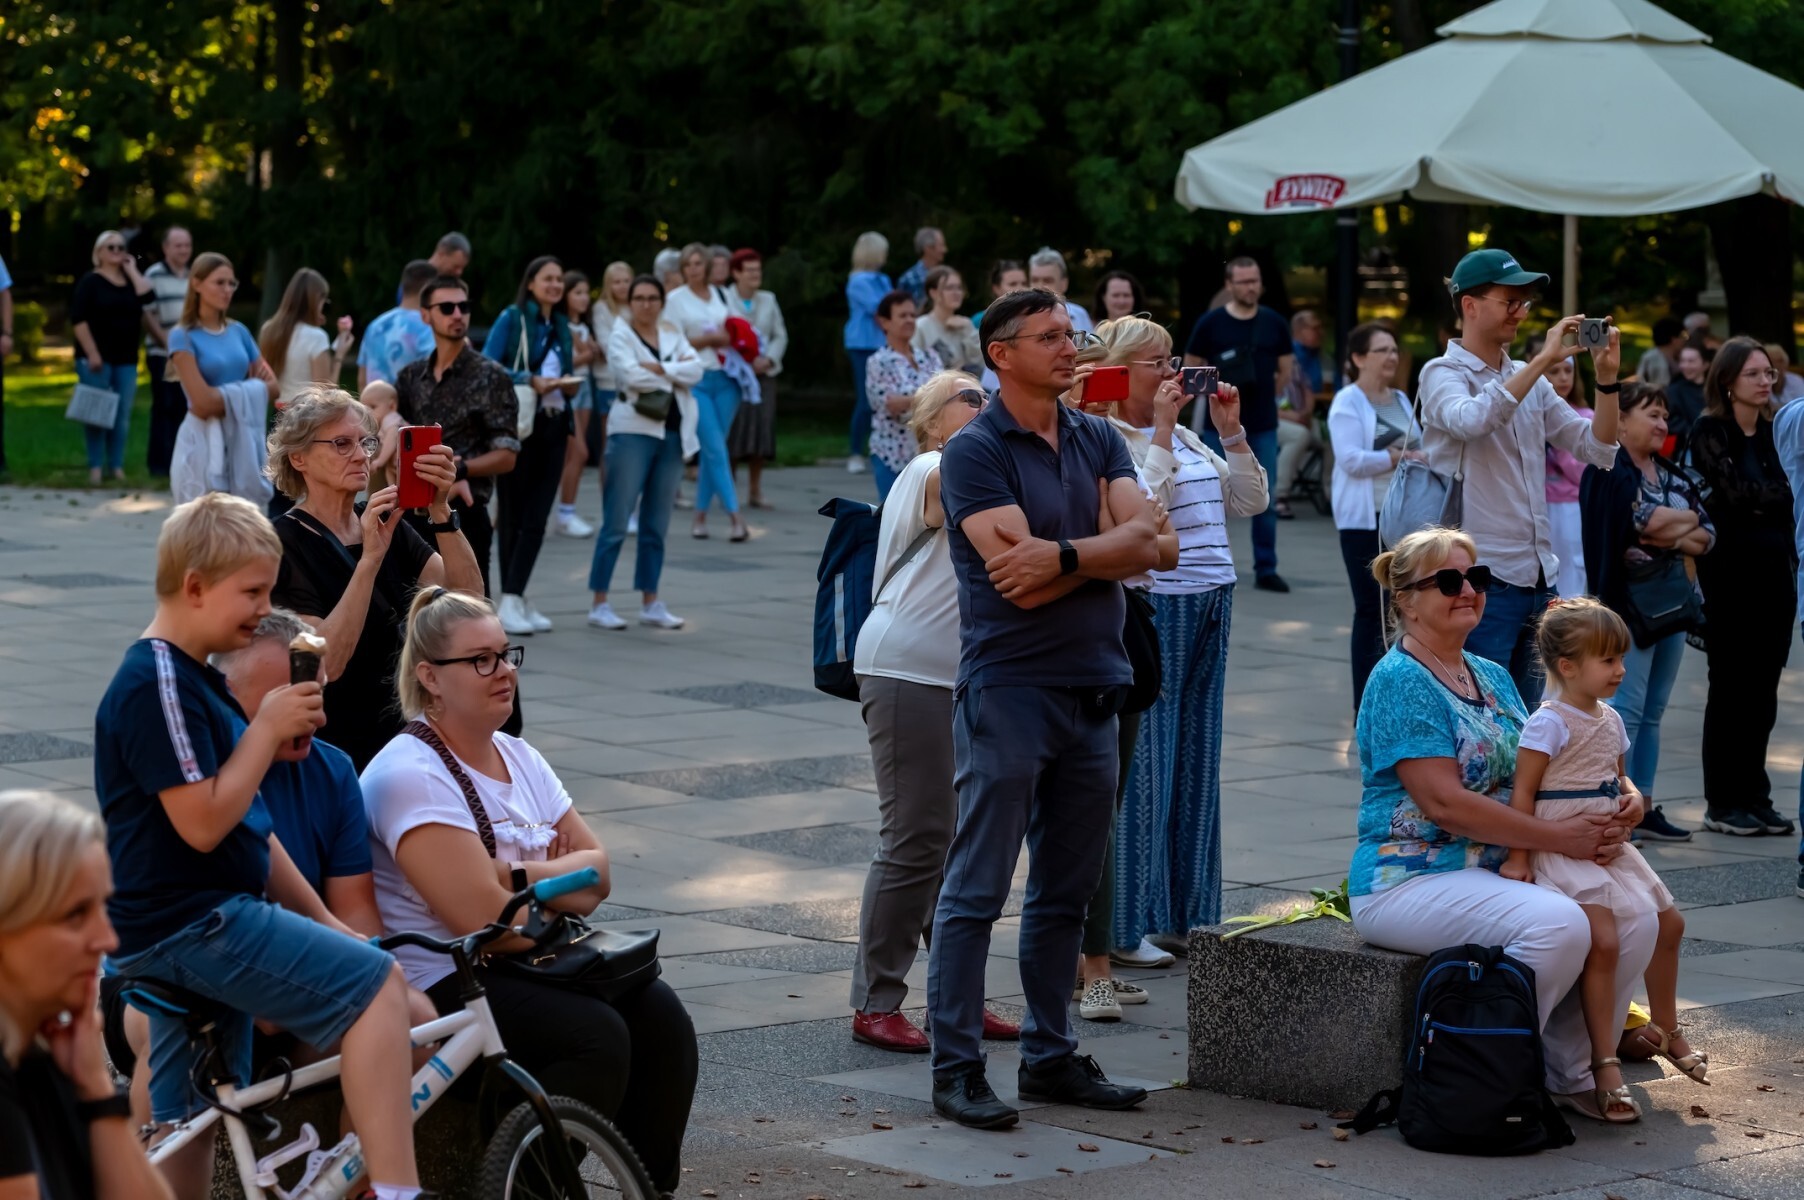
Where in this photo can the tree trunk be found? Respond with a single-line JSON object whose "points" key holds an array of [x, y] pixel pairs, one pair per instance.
{"points": [[1753, 246], [287, 148]]}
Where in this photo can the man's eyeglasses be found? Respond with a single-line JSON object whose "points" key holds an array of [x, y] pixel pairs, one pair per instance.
{"points": [[1450, 581], [1515, 308], [972, 396], [1051, 338], [342, 446], [1769, 374], [486, 662], [445, 308], [1175, 362]]}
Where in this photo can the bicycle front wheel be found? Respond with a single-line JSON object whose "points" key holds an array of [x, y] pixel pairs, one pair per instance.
{"points": [[519, 1164]]}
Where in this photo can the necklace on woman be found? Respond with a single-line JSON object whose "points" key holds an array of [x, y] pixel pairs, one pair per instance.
{"points": [[1461, 680]]}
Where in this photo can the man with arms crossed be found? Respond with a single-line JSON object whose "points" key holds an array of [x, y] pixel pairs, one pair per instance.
{"points": [[1491, 418], [1041, 674]]}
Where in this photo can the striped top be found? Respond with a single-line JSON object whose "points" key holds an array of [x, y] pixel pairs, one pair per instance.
{"points": [[1205, 560]]}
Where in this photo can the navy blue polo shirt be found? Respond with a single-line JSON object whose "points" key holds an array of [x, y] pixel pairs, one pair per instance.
{"points": [[317, 807], [993, 463], [167, 720]]}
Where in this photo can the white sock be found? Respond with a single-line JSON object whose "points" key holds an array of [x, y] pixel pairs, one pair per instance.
{"points": [[390, 1191], [566, 510]]}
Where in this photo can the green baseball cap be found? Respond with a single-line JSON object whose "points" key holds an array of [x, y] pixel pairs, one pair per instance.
{"points": [[1483, 267]]}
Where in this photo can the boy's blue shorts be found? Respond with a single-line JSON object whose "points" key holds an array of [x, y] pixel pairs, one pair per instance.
{"points": [[259, 960]]}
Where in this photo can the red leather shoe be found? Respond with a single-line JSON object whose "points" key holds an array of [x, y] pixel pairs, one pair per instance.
{"points": [[889, 1031], [995, 1029]]}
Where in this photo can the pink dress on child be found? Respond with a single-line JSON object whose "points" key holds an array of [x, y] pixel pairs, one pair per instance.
{"points": [[1582, 778]]}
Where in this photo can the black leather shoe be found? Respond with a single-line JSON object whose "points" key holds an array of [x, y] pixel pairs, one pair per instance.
{"points": [[1075, 1079], [965, 1095], [1273, 582]]}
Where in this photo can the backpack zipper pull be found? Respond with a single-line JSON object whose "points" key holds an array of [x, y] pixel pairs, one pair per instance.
{"points": [[1476, 970]]}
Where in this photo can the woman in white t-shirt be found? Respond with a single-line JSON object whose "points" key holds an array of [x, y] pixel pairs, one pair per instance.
{"points": [[699, 310], [1372, 430], [442, 872], [1167, 867], [294, 341], [906, 659]]}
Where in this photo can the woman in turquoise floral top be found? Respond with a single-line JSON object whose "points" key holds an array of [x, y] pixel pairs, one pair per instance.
{"points": [[1437, 735]]}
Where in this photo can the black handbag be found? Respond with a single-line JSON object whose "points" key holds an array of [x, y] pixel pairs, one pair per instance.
{"points": [[1141, 637], [1660, 600], [569, 952]]}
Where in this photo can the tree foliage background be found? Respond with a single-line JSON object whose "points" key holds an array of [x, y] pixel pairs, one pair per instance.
{"points": [[347, 134]]}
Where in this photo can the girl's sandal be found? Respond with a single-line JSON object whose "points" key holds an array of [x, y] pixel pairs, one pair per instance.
{"points": [[1693, 1066], [1605, 1097]]}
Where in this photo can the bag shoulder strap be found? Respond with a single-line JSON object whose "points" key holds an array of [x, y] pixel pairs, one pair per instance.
{"points": [[429, 735], [525, 352], [1381, 1109], [1459, 470], [312, 524], [914, 547]]}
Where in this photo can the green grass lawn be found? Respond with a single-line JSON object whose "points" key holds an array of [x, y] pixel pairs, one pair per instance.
{"points": [[45, 449]]}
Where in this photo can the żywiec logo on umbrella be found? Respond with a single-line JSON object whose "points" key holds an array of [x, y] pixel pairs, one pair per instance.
{"points": [[1306, 191]]}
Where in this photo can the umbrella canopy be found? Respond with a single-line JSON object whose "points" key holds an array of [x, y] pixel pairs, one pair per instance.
{"points": [[1584, 107]]}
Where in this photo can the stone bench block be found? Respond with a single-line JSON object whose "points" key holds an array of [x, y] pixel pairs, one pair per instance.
{"points": [[1303, 1014], [448, 1143]]}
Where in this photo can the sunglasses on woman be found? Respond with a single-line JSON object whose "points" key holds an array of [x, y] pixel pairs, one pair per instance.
{"points": [[1450, 581], [971, 396]]}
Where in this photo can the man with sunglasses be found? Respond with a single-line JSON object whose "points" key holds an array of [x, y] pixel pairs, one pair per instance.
{"points": [[1488, 420], [399, 336], [1042, 672], [472, 401]]}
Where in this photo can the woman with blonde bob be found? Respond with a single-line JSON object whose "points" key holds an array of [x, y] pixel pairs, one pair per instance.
{"points": [[461, 817], [63, 1135], [1438, 732], [350, 567], [1167, 845], [906, 660]]}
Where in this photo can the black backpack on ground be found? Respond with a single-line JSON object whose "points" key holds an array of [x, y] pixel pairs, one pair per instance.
{"points": [[1474, 1078]]}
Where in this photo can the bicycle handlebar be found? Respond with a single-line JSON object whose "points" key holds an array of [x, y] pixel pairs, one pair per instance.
{"points": [[563, 885], [538, 893]]}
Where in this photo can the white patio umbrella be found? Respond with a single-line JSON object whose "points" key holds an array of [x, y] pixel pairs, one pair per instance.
{"points": [[1579, 107]]}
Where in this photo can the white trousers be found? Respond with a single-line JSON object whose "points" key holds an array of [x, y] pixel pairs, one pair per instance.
{"points": [[1293, 441], [1568, 535], [1536, 925]]}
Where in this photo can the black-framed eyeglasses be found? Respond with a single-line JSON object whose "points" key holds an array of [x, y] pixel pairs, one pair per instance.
{"points": [[1513, 307], [972, 396], [1077, 337], [341, 446], [445, 308], [1450, 581], [486, 662]]}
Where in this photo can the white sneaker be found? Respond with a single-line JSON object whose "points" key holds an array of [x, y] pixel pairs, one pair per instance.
{"points": [[855, 465], [656, 614], [1099, 1003], [572, 526], [632, 524], [512, 611], [1144, 955], [539, 621], [603, 616]]}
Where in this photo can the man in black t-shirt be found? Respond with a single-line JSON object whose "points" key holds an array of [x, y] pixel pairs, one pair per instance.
{"points": [[1250, 345]]}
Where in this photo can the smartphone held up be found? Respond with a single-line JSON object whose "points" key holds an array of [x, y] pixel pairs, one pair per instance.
{"points": [[412, 491], [1105, 386], [1199, 383]]}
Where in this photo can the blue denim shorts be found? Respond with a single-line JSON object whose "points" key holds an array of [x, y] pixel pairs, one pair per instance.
{"points": [[584, 400], [260, 960]]}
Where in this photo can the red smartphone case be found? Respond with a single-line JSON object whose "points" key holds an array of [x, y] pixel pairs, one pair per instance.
{"points": [[415, 441], [1106, 385]]}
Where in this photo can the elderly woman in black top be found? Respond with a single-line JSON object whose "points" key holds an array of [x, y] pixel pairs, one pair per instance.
{"points": [[351, 569], [1750, 587]]}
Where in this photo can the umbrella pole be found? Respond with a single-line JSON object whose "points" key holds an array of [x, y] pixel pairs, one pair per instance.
{"points": [[1346, 221], [1569, 267]]}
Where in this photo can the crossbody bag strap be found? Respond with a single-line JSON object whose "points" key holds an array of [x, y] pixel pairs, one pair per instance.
{"points": [[429, 735], [309, 522], [1459, 470], [920, 540], [525, 351]]}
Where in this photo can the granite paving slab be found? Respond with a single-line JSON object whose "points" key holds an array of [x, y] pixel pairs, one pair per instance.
{"points": [[40, 747], [1774, 965], [800, 957], [1775, 1175], [821, 843], [74, 580], [809, 918], [1733, 883], [744, 695], [1775, 922], [735, 781], [980, 1158]]}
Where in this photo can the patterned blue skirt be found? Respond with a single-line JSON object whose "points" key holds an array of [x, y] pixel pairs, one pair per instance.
{"points": [[1168, 834]]}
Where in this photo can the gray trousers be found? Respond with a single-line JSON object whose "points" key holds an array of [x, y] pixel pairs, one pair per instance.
{"points": [[1033, 763], [910, 728]]}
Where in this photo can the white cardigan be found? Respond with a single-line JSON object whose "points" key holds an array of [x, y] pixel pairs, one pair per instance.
{"points": [[1243, 486], [682, 367], [1352, 424]]}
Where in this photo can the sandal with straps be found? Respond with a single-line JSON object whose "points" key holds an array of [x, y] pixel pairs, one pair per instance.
{"points": [[1693, 1066], [1619, 1095]]}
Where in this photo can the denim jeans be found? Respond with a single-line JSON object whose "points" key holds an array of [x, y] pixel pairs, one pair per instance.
{"points": [[1647, 679], [1506, 635], [884, 476], [861, 405], [716, 399], [1265, 525], [106, 447], [644, 471]]}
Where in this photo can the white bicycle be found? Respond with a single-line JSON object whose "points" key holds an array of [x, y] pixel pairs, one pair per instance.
{"points": [[589, 1161]]}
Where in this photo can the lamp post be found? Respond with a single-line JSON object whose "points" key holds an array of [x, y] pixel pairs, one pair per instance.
{"points": [[1346, 220]]}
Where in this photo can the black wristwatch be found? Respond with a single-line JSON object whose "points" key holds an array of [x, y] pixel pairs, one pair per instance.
{"points": [[454, 525], [119, 1104], [517, 876], [1608, 389], [1067, 557]]}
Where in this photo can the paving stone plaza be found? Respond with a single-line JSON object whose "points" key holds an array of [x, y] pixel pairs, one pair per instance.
{"points": [[738, 807]]}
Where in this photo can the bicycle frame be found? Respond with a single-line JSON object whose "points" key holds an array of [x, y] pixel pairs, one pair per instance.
{"points": [[472, 1035]]}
